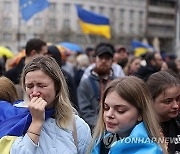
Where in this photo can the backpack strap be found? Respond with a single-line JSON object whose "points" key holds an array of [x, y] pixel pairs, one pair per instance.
{"points": [[75, 132], [95, 89]]}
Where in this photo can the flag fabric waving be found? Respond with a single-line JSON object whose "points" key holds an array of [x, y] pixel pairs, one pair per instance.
{"points": [[29, 8], [92, 23], [14, 122], [140, 48]]}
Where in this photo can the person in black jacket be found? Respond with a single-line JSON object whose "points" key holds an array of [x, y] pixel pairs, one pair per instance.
{"points": [[33, 48], [153, 64], [165, 91], [54, 52]]}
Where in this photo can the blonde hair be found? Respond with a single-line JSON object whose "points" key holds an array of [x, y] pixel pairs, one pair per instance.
{"points": [[7, 91], [82, 61], [134, 91], [127, 68], [63, 107]]}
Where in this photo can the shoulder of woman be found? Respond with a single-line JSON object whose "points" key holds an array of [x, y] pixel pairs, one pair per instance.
{"points": [[80, 123]]}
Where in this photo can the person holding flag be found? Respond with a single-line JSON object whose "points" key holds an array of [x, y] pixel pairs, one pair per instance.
{"points": [[46, 122]]}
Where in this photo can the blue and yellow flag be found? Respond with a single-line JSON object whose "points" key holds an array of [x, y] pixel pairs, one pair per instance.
{"points": [[92, 23], [140, 48], [14, 122], [29, 8]]}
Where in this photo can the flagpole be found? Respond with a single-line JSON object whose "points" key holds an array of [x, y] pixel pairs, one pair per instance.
{"points": [[18, 29], [88, 39]]}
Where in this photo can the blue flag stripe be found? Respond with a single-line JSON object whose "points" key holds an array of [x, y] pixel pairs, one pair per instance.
{"points": [[137, 44], [91, 18], [15, 121]]}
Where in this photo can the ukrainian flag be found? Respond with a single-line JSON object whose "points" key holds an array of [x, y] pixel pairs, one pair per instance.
{"points": [[140, 48], [14, 122], [92, 23]]}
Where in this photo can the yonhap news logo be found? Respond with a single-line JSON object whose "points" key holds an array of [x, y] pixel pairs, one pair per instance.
{"points": [[110, 139]]}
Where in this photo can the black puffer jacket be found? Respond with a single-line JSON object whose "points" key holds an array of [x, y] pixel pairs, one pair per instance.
{"points": [[171, 129], [55, 53], [145, 71]]}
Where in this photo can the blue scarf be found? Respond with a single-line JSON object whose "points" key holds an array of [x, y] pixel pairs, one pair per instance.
{"points": [[128, 145], [15, 121]]}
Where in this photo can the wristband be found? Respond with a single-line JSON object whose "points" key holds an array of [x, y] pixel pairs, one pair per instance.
{"points": [[33, 133]]}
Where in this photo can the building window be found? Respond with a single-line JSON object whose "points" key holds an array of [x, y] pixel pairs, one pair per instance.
{"points": [[122, 13], [131, 28], [101, 10], [141, 15], [36, 35], [92, 8], [52, 22], [121, 27], [22, 22], [37, 22], [22, 37], [7, 22], [112, 25], [140, 28], [66, 23], [52, 7], [7, 6], [7, 37], [66, 8], [78, 26], [93, 38], [111, 12], [131, 15], [51, 38], [80, 39]]}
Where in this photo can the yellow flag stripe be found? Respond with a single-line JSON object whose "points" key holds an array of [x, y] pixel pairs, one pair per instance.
{"points": [[6, 143], [139, 51], [103, 30]]}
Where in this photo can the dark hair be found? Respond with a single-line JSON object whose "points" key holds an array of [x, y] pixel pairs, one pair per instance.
{"points": [[55, 53], [160, 81], [34, 44], [105, 44], [88, 49], [149, 56], [1, 70], [172, 66]]}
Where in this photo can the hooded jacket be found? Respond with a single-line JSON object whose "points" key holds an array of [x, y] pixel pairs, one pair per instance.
{"points": [[89, 97], [137, 142], [55, 53]]}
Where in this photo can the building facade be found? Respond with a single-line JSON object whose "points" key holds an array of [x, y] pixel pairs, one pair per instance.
{"points": [[59, 22], [161, 23]]}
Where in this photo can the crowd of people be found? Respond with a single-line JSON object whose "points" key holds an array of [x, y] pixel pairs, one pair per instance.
{"points": [[102, 101]]}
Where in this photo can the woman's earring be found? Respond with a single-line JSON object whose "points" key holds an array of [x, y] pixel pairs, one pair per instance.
{"points": [[139, 118]]}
